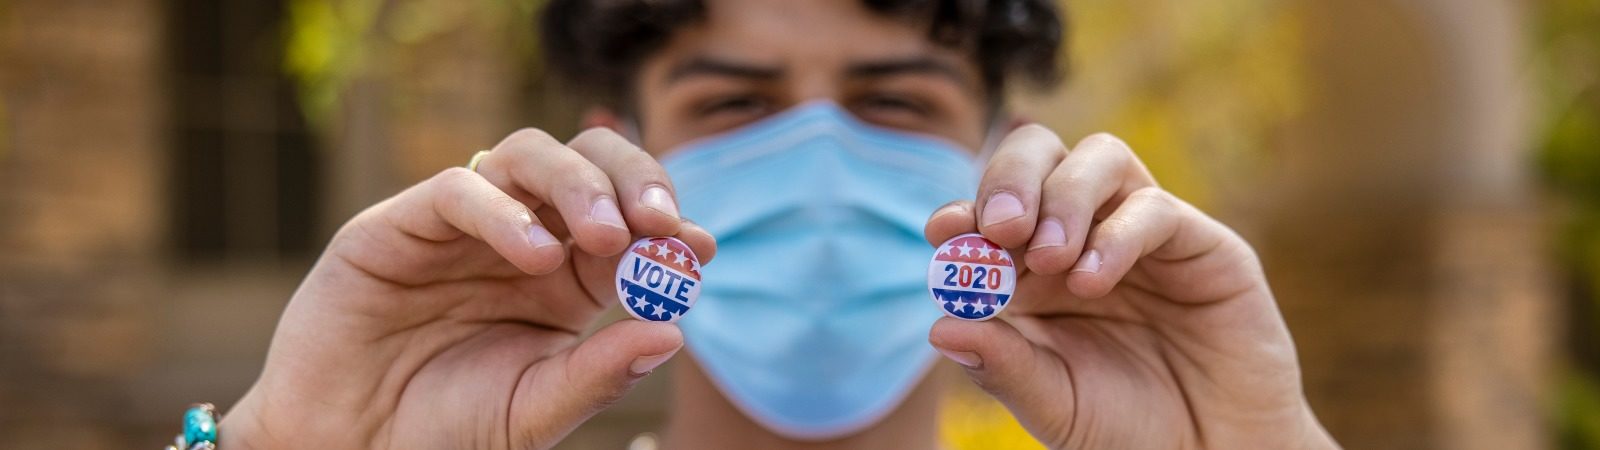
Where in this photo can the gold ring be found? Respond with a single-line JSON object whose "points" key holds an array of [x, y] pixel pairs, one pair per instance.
{"points": [[476, 158]]}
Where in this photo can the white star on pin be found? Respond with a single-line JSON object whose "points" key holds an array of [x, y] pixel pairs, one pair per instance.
{"points": [[663, 251], [988, 252], [655, 310], [962, 250], [678, 257]]}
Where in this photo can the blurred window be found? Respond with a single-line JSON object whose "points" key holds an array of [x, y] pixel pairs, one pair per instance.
{"points": [[243, 171]]}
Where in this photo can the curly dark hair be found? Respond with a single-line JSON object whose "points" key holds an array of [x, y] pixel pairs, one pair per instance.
{"points": [[598, 45]]}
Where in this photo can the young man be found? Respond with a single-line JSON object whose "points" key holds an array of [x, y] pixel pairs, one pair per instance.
{"points": [[816, 140]]}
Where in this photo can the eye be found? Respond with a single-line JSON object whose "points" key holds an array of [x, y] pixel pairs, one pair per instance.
{"points": [[892, 110], [890, 103], [734, 106]]}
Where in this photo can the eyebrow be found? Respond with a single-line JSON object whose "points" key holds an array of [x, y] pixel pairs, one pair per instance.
{"points": [[710, 66], [913, 65], [707, 66]]}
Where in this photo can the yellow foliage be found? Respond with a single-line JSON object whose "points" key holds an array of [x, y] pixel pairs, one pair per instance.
{"points": [[970, 420], [1198, 89]]}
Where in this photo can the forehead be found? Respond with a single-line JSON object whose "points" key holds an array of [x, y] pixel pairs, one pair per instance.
{"points": [[805, 33]]}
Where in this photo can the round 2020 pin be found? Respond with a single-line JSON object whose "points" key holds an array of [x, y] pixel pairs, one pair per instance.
{"points": [[658, 279], [971, 278]]}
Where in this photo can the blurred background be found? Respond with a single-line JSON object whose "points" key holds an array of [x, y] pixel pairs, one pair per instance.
{"points": [[1421, 177]]}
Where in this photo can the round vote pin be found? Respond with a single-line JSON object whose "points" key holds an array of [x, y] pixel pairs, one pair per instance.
{"points": [[658, 279], [971, 278]]}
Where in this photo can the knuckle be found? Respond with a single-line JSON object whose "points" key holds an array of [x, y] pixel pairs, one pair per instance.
{"points": [[452, 177], [609, 396], [582, 177], [1109, 144], [1070, 190], [639, 160], [1037, 131], [579, 170], [506, 206], [955, 207], [962, 205], [562, 163], [1069, 176], [528, 134], [1154, 196], [563, 160], [1005, 170], [1117, 226], [988, 386], [1107, 139], [596, 397], [354, 231], [1033, 127], [523, 145], [596, 136], [1035, 137], [452, 172]]}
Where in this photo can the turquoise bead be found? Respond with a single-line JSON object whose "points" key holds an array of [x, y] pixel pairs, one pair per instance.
{"points": [[199, 425]]}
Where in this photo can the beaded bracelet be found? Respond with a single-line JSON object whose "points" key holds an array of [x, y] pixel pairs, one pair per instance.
{"points": [[199, 429]]}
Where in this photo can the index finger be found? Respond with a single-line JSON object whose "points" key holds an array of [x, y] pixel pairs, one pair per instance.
{"points": [[457, 203], [951, 220], [644, 191], [551, 174], [1009, 194]]}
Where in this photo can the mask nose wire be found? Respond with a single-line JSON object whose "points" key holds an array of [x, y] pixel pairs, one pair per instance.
{"points": [[997, 130]]}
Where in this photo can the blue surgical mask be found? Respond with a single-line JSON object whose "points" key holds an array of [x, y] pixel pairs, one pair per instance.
{"points": [[814, 318]]}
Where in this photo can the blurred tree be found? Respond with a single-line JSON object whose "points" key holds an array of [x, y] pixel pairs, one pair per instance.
{"points": [[1200, 88], [332, 43], [401, 88], [1568, 59]]}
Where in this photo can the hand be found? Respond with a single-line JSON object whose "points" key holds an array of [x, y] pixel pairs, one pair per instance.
{"points": [[449, 315], [1138, 321]]}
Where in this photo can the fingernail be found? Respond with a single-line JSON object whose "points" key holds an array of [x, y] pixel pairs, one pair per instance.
{"points": [[541, 237], [947, 209], [644, 364], [1002, 206], [657, 198], [1089, 263], [969, 360], [1049, 234], [605, 212]]}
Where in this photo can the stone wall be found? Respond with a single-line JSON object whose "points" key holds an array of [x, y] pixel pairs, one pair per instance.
{"points": [[81, 179]]}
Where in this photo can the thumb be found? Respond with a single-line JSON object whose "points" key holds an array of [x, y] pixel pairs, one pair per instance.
{"points": [[567, 388], [1033, 383]]}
